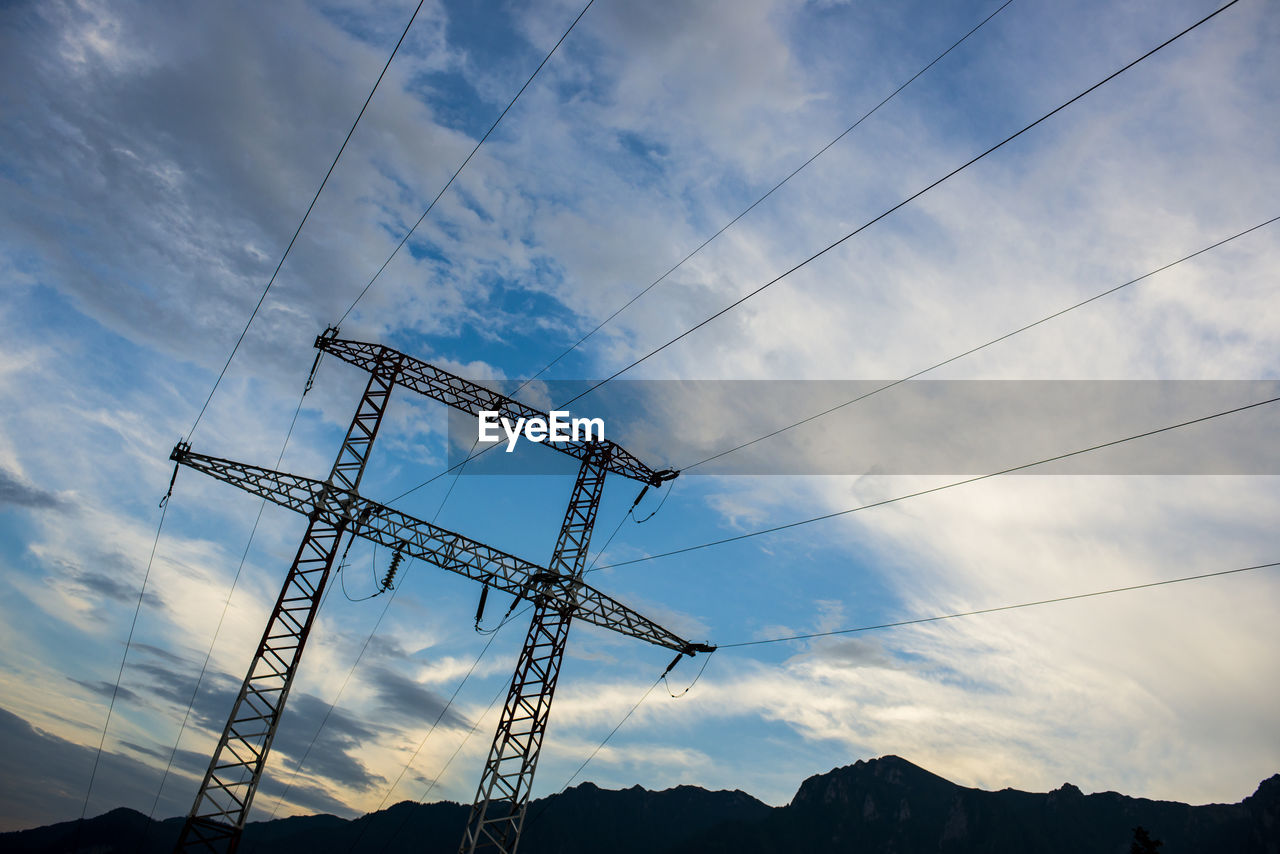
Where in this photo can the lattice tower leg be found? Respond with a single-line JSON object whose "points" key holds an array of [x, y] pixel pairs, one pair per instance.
{"points": [[226, 794], [502, 799]]}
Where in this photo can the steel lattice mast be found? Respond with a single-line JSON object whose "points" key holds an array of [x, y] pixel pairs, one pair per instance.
{"points": [[335, 508], [497, 815], [226, 793]]}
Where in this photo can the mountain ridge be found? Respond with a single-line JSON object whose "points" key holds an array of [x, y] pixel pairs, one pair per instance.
{"points": [[883, 805]]}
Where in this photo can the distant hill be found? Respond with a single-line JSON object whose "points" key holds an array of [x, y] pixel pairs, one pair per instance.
{"points": [[881, 805]]}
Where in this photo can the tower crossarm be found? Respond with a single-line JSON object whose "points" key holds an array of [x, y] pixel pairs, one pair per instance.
{"points": [[592, 606], [435, 545], [473, 398]]}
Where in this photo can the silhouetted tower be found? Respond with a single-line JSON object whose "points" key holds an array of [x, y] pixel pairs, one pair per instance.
{"points": [[502, 798], [334, 509]]}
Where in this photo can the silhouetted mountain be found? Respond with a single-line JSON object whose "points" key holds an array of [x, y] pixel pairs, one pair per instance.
{"points": [[886, 806], [890, 805]]}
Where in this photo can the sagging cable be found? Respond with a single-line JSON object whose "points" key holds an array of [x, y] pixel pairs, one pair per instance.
{"points": [[342, 577], [656, 509], [672, 665]]}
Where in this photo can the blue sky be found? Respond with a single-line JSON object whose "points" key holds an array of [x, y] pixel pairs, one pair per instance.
{"points": [[157, 158]]}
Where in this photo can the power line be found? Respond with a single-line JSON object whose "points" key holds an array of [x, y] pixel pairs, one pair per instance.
{"points": [[940, 488], [915, 375], [973, 350], [771, 191], [1000, 608], [625, 718], [390, 789], [898, 624], [545, 803], [226, 605], [305, 216], [885, 387], [896, 207], [473, 454], [404, 821], [115, 691], [458, 171], [611, 734], [702, 246]]}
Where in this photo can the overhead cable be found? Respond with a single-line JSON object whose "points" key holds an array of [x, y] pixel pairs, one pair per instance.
{"points": [[933, 489], [226, 605], [434, 724], [957, 615], [115, 690], [474, 454], [983, 346], [458, 171], [502, 689], [896, 207], [754, 204], [303, 222]]}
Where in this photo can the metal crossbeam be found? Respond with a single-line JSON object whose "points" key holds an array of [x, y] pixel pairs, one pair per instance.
{"points": [[438, 546], [474, 398]]}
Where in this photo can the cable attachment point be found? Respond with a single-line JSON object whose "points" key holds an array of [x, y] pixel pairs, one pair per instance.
{"points": [[661, 477], [640, 497], [342, 562], [178, 454], [390, 577], [665, 495], [484, 597], [311, 377], [689, 650], [169, 494], [329, 334]]}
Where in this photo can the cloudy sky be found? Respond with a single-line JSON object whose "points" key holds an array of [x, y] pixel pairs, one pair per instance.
{"points": [[157, 158]]}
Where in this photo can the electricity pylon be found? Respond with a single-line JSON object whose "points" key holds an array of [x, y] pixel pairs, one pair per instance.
{"points": [[497, 815], [334, 509]]}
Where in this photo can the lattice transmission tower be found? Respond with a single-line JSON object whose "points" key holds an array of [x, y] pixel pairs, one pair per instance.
{"points": [[335, 509]]}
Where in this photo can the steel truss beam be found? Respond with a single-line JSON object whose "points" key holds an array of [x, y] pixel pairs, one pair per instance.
{"points": [[222, 804], [473, 399], [438, 546]]}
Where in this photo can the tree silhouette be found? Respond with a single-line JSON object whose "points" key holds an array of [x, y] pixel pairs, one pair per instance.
{"points": [[1143, 843]]}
